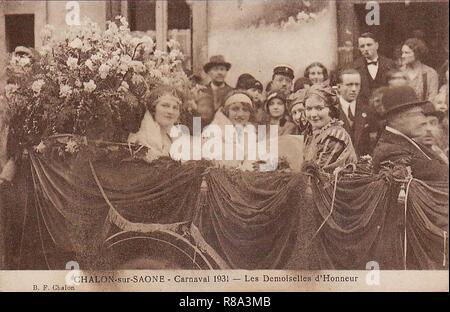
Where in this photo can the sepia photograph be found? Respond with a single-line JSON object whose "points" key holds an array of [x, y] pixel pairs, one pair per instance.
{"points": [[224, 145]]}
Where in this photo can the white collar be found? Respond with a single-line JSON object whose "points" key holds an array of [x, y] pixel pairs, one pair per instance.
{"points": [[346, 104], [375, 60], [395, 131]]}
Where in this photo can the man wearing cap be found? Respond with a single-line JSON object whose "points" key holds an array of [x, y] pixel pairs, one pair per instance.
{"points": [[217, 69], [405, 121], [371, 66], [282, 78]]}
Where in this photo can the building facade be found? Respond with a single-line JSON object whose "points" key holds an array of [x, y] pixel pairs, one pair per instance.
{"points": [[252, 35]]}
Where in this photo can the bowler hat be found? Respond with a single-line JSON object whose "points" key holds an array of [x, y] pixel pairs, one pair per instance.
{"points": [[216, 60], [397, 98], [284, 70]]}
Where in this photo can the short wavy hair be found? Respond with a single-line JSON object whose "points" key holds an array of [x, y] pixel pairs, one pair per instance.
{"points": [[418, 46], [316, 64], [150, 98]]}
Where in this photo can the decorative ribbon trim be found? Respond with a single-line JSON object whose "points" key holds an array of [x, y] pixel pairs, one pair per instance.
{"points": [[406, 208], [204, 246], [125, 225], [336, 174]]}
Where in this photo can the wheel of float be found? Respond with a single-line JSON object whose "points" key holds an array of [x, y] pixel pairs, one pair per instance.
{"points": [[159, 250]]}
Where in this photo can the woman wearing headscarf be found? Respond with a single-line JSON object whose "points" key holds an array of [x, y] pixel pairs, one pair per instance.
{"points": [[328, 146], [296, 108]]}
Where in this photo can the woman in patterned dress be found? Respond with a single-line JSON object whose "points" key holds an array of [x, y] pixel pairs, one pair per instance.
{"points": [[329, 146]]}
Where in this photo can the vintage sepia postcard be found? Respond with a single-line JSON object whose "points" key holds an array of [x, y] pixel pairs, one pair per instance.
{"points": [[224, 145]]}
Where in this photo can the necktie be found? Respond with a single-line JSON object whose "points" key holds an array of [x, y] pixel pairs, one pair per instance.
{"points": [[350, 116], [372, 63]]}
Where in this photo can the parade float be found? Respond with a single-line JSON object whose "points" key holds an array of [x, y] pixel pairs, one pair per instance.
{"points": [[81, 193]]}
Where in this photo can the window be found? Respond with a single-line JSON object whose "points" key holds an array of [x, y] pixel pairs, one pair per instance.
{"points": [[19, 29], [141, 15]]}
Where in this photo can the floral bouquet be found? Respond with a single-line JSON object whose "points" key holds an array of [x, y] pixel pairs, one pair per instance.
{"points": [[89, 83]]}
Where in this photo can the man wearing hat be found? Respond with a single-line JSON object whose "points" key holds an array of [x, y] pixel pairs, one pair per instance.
{"points": [[405, 120], [217, 69], [282, 78]]}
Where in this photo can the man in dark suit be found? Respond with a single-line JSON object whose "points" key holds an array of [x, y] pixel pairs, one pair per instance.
{"points": [[371, 66], [406, 120], [354, 111], [217, 69]]}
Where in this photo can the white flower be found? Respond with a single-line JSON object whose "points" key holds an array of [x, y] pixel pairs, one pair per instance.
{"points": [[86, 47], [76, 43], [173, 44], [176, 55], [89, 86], [72, 62], [159, 54], [104, 71], [95, 57], [40, 148], [37, 86], [89, 64], [78, 83], [148, 43], [124, 87], [71, 146], [24, 61], [136, 79], [45, 50], [10, 89], [137, 66], [65, 90]]}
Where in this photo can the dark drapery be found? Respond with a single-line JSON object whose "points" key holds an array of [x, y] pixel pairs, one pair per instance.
{"points": [[252, 220]]}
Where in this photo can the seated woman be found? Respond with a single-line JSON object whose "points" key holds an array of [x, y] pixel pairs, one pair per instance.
{"points": [[276, 111], [163, 111], [238, 111], [329, 146], [296, 108], [317, 73]]}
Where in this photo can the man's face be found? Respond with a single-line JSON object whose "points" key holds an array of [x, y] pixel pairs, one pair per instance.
{"points": [[368, 48], [218, 73], [281, 83], [350, 86], [432, 132], [412, 123]]}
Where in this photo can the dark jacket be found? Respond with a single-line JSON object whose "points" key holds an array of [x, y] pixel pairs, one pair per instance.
{"points": [[368, 84], [393, 147], [219, 94], [362, 125]]}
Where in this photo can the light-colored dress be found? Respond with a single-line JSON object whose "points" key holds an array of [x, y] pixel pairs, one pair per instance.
{"points": [[330, 147], [149, 135], [425, 83]]}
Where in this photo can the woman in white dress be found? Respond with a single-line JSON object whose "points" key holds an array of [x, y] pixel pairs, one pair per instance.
{"points": [[163, 111]]}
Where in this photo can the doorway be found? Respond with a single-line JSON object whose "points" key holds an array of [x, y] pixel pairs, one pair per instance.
{"points": [[402, 20]]}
